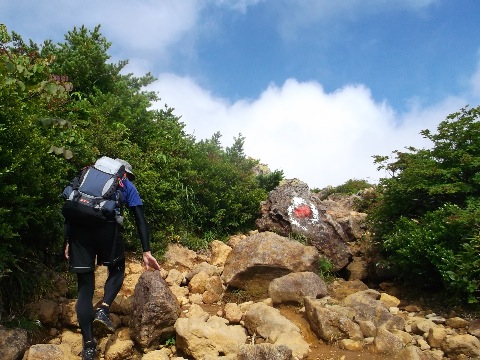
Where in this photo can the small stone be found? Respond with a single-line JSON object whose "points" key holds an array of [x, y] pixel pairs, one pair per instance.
{"points": [[438, 319], [456, 323], [423, 344], [351, 345], [369, 340], [412, 308], [393, 310]]}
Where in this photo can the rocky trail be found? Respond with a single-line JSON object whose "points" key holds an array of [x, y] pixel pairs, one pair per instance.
{"points": [[259, 296], [187, 312]]}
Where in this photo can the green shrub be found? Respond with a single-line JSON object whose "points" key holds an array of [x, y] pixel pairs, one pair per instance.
{"points": [[63, 106], [426, 216], [271, 180], [439, 247], [350, 187], [325, 269]]}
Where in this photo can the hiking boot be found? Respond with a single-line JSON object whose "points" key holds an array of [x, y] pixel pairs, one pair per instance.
{"points": [[102, 325], [89, 350]]}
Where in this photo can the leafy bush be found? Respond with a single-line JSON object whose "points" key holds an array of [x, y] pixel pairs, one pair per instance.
{"points": [[427, 213], [64, 105], [431, 247], [271, 180], [350, 187], [30, 223]]}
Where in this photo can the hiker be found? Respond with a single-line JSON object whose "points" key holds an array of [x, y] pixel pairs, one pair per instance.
{"points": [[106, 243]]}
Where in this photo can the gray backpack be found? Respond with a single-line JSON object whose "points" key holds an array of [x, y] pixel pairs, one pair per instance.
{"points": [[94, 198]]}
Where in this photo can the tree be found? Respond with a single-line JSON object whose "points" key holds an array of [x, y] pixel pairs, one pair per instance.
{"points": [[271, 180], [427, 218], [61, 107], [227, 192], [83, 58], [29, 175]]}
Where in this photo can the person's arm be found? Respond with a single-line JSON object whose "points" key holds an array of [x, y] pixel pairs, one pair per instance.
{"points": [[142, 229], [66, 232]]}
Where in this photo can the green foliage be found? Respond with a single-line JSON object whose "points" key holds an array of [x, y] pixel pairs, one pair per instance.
{"points": [[301, 238], [64, 105], [29, 221], [427, 213], [350, 187], [271, 180], [171, 341], [83, 59], [325, 269], [24, 323], [227, 194]]}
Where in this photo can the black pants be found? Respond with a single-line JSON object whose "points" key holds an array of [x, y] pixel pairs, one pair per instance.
{"points": [[104, 243], [86, 288], [107, 246]]}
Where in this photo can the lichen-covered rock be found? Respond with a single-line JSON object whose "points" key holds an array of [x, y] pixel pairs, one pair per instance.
{"points": [[386, 342], [368, 306], [265, 351], [44, 352]]}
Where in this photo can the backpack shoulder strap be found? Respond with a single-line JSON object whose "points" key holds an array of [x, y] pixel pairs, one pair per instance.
{"points": [[77, 180]]}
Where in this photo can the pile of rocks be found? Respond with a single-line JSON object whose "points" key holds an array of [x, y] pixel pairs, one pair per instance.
{"points": [[187, 311]]}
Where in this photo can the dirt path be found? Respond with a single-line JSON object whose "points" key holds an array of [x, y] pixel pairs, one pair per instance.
{"points": [[320, 350]]}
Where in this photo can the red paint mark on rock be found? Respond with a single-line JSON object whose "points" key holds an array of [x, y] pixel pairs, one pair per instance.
{"points": [[302, 211]]}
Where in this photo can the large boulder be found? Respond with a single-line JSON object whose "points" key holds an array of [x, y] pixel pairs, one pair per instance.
{"points": [[368, 306], [465, 345], [331, 323], [46, 311], [254, 262], [212, 338], [155, 310], [13, 343], [292, 288], [292, 209], [265, 351], [387, 342], [267, 322], [340, 208], [44, 352]]}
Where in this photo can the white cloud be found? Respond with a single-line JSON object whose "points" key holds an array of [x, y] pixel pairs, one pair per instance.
{"points": [[145, 26], [321, 138], [150, 25], [238, 5]]}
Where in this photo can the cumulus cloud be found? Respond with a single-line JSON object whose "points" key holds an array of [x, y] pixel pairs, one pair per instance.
{"points": [[321, 138], [150, 25], [142, 26]]}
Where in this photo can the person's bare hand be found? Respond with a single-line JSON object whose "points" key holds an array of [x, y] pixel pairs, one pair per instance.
{"points": [[66, 252], [150, 261]]}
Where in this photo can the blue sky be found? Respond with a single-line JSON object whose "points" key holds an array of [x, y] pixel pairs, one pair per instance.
{"points": [[317, 87]]}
